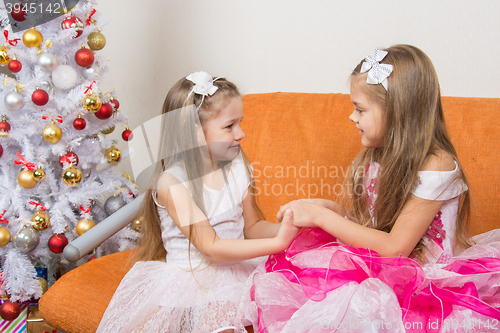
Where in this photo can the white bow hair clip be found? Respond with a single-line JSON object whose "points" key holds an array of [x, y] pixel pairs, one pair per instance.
{"points": [[203, 85], [377, 72]]}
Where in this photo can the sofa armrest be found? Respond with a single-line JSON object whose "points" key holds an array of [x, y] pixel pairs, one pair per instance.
{"points": [[77, 301], [95, 236]]}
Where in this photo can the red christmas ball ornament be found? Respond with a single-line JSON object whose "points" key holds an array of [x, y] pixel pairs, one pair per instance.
{"points": [[15, 66], [127, 134], [92, 257], [105, 111], [84, 57], [18, 13], [79, 123], [40, 97], [73, 22], [4, 125], [1, 150], [57, 243], [10, 310], [114, 102], [68, 158]]}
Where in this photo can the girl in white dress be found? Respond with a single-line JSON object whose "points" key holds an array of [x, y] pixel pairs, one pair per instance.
{"points": [[202, 228]]}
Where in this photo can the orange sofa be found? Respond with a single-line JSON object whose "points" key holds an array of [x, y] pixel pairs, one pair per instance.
{"points": [[301, 145]]}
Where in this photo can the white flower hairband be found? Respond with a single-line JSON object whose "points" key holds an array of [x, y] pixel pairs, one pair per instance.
{"points": [[377, 72], [203, 85]]}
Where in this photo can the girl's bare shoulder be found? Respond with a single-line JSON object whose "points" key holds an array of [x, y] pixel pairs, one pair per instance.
{"points": [[439, 161]]}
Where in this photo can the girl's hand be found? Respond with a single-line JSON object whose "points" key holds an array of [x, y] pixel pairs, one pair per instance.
{"points": [[331, 205], [287, 231], [306, 214], [281, 211]]}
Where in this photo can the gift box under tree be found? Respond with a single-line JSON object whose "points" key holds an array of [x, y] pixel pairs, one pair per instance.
{"points": [[18, 324], [35, 322]]}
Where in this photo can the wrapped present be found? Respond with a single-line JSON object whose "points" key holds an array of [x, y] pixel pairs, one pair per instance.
{"points": [[17, 325], [35, 323], [41, 272]]}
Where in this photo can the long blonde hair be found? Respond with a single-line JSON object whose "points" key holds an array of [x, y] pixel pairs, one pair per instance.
{"points": [[178, 131], [415, 129]]}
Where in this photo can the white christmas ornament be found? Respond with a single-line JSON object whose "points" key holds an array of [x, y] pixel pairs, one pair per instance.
{"points": [[91, 73], [47, 61], [14, 101], [64, 77]]}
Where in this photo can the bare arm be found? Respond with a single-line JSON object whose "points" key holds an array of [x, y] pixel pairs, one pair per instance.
{"points": [[415, 218], [254, 226], [184, 212], [409, 228]]}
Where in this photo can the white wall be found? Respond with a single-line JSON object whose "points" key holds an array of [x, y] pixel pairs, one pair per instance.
{"points": [[291, 45]]}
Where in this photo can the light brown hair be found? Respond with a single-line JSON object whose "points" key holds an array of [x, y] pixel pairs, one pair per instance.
{"points": [[415, 128], [179, 126]]}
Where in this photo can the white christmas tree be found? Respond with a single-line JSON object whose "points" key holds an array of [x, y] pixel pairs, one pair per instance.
{"points": [[56, 177]]}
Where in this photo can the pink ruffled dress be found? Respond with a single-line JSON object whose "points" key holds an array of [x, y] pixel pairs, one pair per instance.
{"points": [[321, 285], [187, 293]]}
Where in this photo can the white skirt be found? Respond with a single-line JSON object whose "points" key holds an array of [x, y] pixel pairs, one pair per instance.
{"points": [[159, 297]]}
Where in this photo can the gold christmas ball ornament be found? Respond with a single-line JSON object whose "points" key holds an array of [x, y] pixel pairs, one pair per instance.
{"points": [[41, 220], [25, 179], [108, 130], [83, 226], [52, 133], [4, 56], [72, 176], [43, 284], [96, 41], [32, 38], [113, 155], [92, 102], [39, 174], [4, 236], [136, 224]]}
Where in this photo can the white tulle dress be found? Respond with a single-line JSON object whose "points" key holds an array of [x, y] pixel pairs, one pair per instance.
{"points": [[321, 285], [187, 293]]}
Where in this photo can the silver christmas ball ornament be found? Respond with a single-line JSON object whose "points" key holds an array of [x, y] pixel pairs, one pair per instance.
{"points": [[91, 73], [64, 77], [47, 61], [47, 86], [112, 204], [87, 173], [14, 101], [26, 239]]}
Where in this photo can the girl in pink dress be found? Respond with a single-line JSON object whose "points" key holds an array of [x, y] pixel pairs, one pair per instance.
{"points": [[395, 256]]}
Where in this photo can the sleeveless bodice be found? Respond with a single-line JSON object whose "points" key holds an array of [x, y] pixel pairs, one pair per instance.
{"points": [[224, 212], [447, 186]]}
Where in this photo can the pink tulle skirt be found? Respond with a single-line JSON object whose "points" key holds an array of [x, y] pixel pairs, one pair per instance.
{"points": [[319, 285]]}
